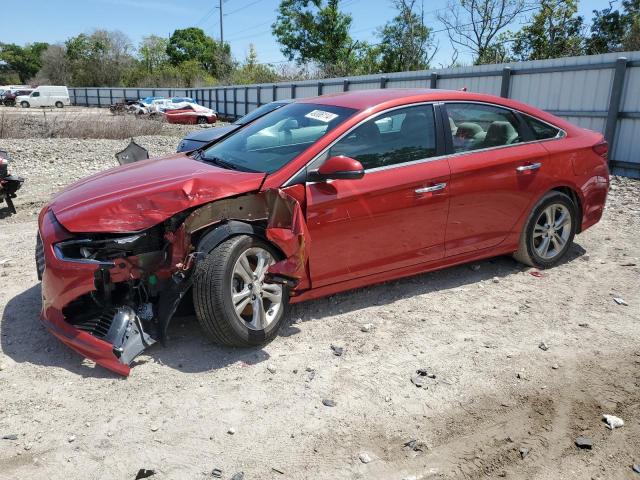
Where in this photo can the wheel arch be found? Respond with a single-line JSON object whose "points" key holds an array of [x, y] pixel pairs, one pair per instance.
{"points": [[575, 197], [216, 234]]}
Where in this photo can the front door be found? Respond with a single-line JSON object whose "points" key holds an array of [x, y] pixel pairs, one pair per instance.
{"points": [[393, 217], [494, 175]]}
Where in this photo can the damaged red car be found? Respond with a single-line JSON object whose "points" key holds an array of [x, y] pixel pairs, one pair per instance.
{"points": [[320, 196]]}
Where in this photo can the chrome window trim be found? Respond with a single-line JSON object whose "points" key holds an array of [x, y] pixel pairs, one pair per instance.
{"points": [[561, 134]]}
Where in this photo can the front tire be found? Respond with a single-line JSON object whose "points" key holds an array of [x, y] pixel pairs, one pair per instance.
{"points": [[549, 231], [233, 304], [201, 121], [25, 104]]}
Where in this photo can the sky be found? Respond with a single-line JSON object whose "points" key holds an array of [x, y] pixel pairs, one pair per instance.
{"points": [[245, 22]]}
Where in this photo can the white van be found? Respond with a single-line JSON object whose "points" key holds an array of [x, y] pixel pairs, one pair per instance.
{"points": [[45, 96]]}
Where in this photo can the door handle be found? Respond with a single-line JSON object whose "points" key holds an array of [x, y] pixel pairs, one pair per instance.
{"points": [[531, 166], [432, 188]]}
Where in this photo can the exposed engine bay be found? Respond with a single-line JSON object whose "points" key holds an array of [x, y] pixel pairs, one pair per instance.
{"points": [[141, 278]]}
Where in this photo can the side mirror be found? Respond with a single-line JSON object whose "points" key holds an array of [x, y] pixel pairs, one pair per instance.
{"points": [[338, 168]]}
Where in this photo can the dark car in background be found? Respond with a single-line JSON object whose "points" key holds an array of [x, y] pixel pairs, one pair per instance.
{"points": [[9, 97], [200, 138]]}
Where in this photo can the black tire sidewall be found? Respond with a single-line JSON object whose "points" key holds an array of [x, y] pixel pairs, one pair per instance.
{"points": [[59, 105], [560, 198], [240, 330]]}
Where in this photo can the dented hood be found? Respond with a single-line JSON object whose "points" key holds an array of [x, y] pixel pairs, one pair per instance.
{"points": [[142, 194]]}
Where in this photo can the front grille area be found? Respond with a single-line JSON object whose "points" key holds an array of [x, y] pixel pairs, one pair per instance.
{"points": [[39, 257], [97, 326]]}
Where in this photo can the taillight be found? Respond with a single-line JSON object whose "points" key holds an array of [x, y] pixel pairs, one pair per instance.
{"points": [[601, 149]]}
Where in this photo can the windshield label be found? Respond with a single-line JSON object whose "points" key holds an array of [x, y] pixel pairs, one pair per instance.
{"points": [[321, 115]]}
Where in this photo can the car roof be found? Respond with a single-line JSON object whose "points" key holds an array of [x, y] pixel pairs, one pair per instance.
{"points": [[390, 97], [362, 99]]}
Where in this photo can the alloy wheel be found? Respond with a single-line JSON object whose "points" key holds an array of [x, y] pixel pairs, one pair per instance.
{"points": [[256, 302], [552, 231]]}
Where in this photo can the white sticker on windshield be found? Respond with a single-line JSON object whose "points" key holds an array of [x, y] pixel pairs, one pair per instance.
{"points": [[321, 115]]}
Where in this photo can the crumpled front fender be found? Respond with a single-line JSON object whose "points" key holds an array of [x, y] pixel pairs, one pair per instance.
{"points": [[294, 241], [282, 210]]}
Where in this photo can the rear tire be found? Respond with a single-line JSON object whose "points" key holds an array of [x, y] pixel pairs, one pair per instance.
{"points": [[548, 232], [59, 105], [227, 300]]}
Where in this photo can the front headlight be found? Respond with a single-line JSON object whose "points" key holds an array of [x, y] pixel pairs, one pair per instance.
{"points": [[101, 249]]}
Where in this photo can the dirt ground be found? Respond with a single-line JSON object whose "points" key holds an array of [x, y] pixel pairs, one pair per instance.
{"points": [[477, 329]]}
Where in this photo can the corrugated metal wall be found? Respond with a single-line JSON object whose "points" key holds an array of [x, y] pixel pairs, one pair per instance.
{"points": [[579, 89]]}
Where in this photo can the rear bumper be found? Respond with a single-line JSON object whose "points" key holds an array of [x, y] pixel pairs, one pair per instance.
{"points": [[63, 282]]}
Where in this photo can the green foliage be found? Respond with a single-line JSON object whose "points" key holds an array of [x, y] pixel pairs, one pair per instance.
{"points": [[250, 71], [192, 44], [405, 41], [556, 31], [100, 59], [24, 61], [607, 31], [314, 31], [615, 30], [56, 69], [8, 76], [498, 51], [153, 52]]}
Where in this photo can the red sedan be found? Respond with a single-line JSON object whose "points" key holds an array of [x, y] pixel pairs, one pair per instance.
{"points": [[320, 196], [191, 115]]}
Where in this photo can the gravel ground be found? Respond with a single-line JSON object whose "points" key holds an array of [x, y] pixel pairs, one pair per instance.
{"points": [[498, 406]]}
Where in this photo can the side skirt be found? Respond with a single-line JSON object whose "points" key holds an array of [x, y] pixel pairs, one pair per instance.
{"points": [[403, 272]]}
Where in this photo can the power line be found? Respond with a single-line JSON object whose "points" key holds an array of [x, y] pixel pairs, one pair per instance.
{"points": [[251, 35], [252, 27], [242, 8], [206, 16]]}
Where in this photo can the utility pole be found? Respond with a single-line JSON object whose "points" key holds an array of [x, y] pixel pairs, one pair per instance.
{"points": [[221, 31]]}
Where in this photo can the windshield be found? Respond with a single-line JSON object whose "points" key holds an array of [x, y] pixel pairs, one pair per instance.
{"points": [[259, 112], [275, 139]]}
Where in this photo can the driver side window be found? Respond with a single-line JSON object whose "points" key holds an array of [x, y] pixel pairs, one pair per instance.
{"points": [[399, 136]]}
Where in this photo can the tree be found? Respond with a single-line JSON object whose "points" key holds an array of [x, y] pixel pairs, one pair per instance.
{"points": [[250, 71], [25, 61], [474, 24], [192, 44], [55, 69], [314, 31], [406, 42], [498, 51], [556, 31], [153, 52], [100, 59], [631, 39], [607, 31]]}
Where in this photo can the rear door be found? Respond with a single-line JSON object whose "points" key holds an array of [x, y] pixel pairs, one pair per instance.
{"points": [[393, 217], [496, 170]]}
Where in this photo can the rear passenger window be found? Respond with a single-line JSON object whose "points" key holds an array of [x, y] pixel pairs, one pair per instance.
{"points": [[475, 126], [400, 136], [541, 130]]}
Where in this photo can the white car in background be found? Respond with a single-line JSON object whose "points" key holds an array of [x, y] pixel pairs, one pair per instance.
{"points": [[45, 96], [163, 104]]}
